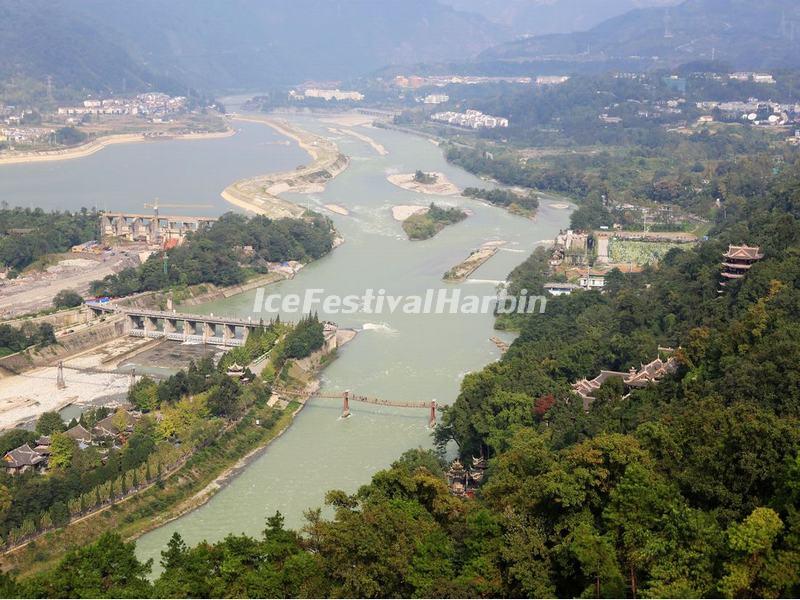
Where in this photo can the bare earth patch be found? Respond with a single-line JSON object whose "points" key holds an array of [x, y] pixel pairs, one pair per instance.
{"points": [[442, 187], [335, 208], [404, 211]]}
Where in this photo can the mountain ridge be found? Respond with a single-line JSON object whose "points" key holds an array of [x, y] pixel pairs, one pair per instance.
{"points": [[733, 31]]}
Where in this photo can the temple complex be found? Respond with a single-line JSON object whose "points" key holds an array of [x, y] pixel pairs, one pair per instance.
{"points": [[652, 372]]}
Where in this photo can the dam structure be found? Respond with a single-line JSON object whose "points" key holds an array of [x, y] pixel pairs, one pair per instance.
{"points": [[179, 327], [152, 228]]}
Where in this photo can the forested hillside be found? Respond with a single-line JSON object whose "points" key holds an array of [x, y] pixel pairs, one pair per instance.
{"points": [[111, 45], [40, 38]]}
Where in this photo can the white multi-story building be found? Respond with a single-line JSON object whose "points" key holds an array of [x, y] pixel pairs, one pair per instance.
{"points": [[472, 119], [436, 98], [328, 95]]}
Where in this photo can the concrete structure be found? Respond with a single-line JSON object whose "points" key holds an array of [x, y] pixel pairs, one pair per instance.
{"points": [[150, 228], [155, 324], [560, 289]]}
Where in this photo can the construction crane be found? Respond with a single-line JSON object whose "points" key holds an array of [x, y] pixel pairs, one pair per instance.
{"points": [[156, 204]]}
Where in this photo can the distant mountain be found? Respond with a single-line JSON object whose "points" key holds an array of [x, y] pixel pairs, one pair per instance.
{"points": [[538, 17], [742, 33], [232, 44], [40, 39]]}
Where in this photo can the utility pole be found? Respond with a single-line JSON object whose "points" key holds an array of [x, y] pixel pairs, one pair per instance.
{"points": [[60, 383]]}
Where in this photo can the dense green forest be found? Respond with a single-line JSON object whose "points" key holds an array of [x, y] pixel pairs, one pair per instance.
{"points": [[14, 339], [425, 225], [28, 234], [525, 204], [686, 488], [224, 254]]}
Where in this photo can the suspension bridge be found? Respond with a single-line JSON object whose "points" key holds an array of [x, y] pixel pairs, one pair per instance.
{"points": [[347, 397]]}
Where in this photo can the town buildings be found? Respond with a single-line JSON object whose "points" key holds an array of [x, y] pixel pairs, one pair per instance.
{"points": [[152, 104], [435, 98], [327, 95], [472, 119]]}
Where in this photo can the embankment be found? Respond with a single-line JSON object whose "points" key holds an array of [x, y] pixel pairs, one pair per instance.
{"points": [[103, 142], [260, 194], [68, 345]]}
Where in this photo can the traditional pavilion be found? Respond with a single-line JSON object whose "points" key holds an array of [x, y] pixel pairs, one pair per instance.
{"points": [[23, 459], [652, 372], [736, 262]]}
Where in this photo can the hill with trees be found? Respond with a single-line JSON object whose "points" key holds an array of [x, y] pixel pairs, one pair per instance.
{"points": [[741, 33], [116, 46]]}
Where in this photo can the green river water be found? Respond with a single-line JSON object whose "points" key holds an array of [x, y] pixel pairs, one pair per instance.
{"points": [[394, 356]]}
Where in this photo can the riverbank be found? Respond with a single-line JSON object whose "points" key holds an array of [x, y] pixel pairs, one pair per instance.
{"points": [[180, 491], [191, 483], [100, 143], [260, 194]]}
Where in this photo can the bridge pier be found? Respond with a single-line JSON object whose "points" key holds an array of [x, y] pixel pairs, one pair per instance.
{"points": [[432, 419], [346, 404], [150, 325], [170, 326], [228, 332]]}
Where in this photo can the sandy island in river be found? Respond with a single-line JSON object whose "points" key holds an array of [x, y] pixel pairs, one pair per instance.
{"points": [[260, 194], [442, 187], [404, 211], [103, 142], [476, 258], [379, 148], [335, 208]]}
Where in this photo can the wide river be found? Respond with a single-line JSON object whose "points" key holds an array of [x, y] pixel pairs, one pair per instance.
{"points": [[395, 355]]}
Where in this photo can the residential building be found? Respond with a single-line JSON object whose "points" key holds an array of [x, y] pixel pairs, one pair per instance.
{"points": [[472, 119], [560, 289]]}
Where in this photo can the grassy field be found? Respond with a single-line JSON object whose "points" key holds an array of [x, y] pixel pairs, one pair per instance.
{"points": [[639, 253]]}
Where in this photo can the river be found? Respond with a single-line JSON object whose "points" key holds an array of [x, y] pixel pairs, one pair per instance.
{"points": [[395, 356]]}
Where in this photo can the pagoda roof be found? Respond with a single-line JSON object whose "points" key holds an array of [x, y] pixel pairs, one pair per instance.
{"points": [[745, 252], [79, 433], [737, 265], [24, 456]]}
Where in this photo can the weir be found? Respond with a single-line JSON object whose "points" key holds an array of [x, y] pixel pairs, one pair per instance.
{"points": [[154, 324], [150, 228]]}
